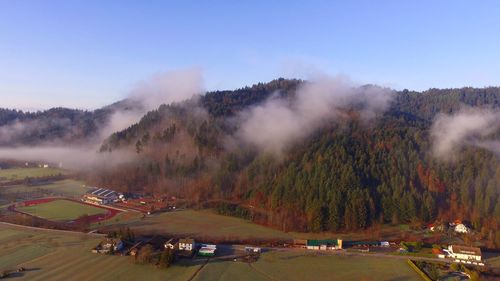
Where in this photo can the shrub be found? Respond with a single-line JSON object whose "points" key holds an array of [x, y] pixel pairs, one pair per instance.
{"points": [[145, 254]]}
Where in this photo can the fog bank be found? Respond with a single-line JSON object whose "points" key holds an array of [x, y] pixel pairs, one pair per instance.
{"points": [[279, 122], [467, 127]]}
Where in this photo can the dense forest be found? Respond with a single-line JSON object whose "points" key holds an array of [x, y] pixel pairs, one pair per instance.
{"points": [[347, 175], [55, 125]]}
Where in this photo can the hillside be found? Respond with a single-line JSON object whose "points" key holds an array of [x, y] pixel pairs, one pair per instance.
{"points": [[55, 125], [345, 174]]}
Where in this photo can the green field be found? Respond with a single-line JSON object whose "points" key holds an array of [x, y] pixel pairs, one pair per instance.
{"points": [[204, 223], [66, 188], [21, 173], [300, 265], [64, 256], [55, 255], [61, 210]]}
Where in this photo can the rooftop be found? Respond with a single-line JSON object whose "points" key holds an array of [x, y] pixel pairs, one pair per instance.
{"points": [[322, 242], [187, 240], [466, 250], [102, 192]]}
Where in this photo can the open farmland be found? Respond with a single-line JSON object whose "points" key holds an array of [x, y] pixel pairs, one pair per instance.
{"points": [[55, 255], [204, 223], [316, 266], [14, 174], [300, 265], [61, 210], [65, 188]]}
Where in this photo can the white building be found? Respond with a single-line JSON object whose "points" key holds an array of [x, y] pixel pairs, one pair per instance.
{"points": [[207, 251], [464, 254], [171, 244], [461, 228], [252, 250], [186, 244], [102, 196]]}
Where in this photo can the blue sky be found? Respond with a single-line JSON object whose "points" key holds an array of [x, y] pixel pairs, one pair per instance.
{"points": [[89, 53]]}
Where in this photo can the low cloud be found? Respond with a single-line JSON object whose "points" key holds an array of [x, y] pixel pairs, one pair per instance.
{"points": [[168, 87], [280, 122], [165, 88], [79, 158], [24, 129], [467, 127]]}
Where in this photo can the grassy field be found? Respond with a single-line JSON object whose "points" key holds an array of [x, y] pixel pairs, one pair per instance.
{"points": [[494, 262], [301, 265], [21, 173], [66, 188], [61, 210], [314, 266], [204, 223], [49, 255], [229, 271], [61, 256], [66, 256]]}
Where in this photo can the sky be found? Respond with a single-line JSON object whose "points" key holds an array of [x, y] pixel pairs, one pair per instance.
{"points": [[87, 54]]}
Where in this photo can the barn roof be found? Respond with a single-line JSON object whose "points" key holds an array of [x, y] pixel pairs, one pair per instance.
{"points": [[102, 192], [187, 240], [322, 242], [466, 250]]}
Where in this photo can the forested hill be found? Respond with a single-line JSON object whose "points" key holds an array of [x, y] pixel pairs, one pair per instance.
{"points": [[55, 125], [345, 175]]}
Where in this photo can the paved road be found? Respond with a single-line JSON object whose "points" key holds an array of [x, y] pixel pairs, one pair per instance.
{"points": [[340, 253], [229, 252]]}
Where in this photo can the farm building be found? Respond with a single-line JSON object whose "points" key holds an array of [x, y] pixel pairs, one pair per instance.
{"points": [[186, 244], [300, 243], [438, 227], [172, 243], [365, 243], [102, 196], [207, 250], [464, 254], [108, 246], [462, 228], [327, 244], [439, 253], [250, 250]]}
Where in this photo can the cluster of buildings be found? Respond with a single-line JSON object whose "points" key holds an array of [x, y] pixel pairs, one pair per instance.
{"points": [[102, 196], [336, 244], [462, 254], [187, 246], [108, 246], [457, 226], [315, 244]]}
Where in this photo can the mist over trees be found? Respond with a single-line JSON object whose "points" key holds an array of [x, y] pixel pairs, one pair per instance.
{"points": [[347, 175]]}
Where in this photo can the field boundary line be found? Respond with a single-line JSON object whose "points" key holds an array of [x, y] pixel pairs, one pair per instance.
{"points": [[267, 276], [39, 258], [50, 230], [420, 272], [198, 270]]}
